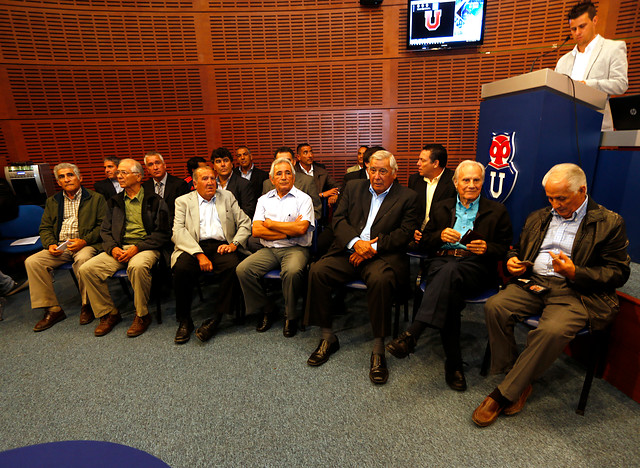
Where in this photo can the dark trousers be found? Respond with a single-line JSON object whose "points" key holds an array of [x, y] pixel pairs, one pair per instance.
{"points": [[449, 281], [187, 270], [331, 272]]}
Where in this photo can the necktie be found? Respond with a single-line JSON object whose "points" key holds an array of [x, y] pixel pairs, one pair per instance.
{"points": [[160, 189]]}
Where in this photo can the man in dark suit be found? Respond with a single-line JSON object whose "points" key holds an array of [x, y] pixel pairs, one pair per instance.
{"points": [[327, 187], [227, 180], [169, 187], [465, 238], [109, 187], [247, 170], [433, 182], [373, 224]]}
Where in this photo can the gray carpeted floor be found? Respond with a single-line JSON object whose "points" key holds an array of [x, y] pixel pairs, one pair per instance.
{"points": [[249, 399]]}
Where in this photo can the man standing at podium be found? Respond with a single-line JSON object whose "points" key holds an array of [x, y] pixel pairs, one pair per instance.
{"points": [[594, 61]]}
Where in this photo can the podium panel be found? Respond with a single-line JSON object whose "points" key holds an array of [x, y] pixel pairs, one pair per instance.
{"points": [[521, 135]]}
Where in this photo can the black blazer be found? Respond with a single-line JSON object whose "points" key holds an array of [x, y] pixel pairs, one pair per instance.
{"points": [[321, 177], [105, 188], [258, 176], [175, 187], [445, 189], [241, 189], [394, 224]]}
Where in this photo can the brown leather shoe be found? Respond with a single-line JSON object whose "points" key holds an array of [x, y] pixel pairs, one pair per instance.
{"points": [[86, 314], [49, 320], [516, 407], [139, 325], [487, 412], [107, 322]]}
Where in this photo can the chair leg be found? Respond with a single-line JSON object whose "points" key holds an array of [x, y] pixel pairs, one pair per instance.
{"points": [[75, 280], [396, 320], [486, 361], [595, 364]]}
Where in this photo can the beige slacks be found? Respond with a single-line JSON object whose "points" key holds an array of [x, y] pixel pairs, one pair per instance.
{"points": [[39, 267], [96, 271]]}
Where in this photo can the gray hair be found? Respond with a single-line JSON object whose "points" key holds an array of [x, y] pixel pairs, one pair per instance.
{"points": [[465, 163], [381, 155], [152, 153], [73, 167], [572, 173], [199, 168], [280, 161], [136, 165]]}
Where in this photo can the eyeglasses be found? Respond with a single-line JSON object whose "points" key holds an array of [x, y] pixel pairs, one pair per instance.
{"points": [[126, 173]]}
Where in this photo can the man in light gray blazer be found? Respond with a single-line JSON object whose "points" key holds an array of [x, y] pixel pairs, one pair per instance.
{"points": [[209, 232], [595, 61]]}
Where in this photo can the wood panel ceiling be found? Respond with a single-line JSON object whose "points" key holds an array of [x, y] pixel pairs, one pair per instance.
{"points": [[81, 80]]}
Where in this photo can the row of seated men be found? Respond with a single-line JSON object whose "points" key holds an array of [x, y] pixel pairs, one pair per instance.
{"points": [[572, 255]]}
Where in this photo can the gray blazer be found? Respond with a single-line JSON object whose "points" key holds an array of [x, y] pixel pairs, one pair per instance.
{"points": [[606, 71], [236, 225]]}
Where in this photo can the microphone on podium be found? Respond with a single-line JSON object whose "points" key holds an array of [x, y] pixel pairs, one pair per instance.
{"points": [[554, 47]]}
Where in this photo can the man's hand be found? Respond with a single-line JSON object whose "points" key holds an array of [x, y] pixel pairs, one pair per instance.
{"points": [[364, 249], [53, 250], [450, 235], [227, 248], [332, 199], [330, 193], [125, 255], [515, 266], [477, 246], [76, 245], [563, 265], [356, 259], [205, 263], [417, 235]]}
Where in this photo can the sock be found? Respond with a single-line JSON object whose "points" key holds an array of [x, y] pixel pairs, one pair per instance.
{"points": [[327, 334], [417, 328], [378, 346], [502, 401]]}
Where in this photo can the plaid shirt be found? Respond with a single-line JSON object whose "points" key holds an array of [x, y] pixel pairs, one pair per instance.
{"points": [[69, 228]]}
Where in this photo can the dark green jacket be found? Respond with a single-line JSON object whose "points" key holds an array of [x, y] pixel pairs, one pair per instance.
{"points": [[90, 215]]}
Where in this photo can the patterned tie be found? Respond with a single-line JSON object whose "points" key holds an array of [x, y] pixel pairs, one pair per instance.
{"points": [[160, 189]]}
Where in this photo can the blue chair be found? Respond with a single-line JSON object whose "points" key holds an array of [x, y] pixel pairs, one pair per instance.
{"points": [[27, 224], [596, 345]]}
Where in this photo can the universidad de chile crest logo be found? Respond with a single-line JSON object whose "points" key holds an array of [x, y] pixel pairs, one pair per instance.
{"points": [[501, 173]]}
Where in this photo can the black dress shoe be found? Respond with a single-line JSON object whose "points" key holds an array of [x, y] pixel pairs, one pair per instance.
{"points": [[322, 352], [207, 329], [402, 346], [455, 379], [378, 373], [184, 332], [265, 323], [290, 328]]}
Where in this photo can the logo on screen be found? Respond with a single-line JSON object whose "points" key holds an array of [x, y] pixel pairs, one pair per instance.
{"points": [[432, 19], [501, 171]]}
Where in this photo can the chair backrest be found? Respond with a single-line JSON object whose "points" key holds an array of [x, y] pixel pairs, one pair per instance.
{"points": [[27, 224]]}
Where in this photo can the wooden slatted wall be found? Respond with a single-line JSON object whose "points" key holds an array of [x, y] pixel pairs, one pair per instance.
{"points": [[80, 80]]}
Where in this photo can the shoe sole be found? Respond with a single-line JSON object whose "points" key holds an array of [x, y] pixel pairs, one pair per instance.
{"points": [[483, 423], [379, 382], [396, 353], [87, 322]]}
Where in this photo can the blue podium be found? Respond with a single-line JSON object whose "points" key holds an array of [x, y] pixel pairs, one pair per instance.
{"points": [[529, 123]]}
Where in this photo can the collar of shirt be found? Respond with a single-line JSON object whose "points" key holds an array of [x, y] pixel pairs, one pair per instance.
{"points": [[138, 196], [309, 172], [576, 215], [434, 180], [247, 175], [589, 48], [202, 200], [473, 206], [223, 187], [79, 191], [162, 181], [294, 192], [381, 196]]}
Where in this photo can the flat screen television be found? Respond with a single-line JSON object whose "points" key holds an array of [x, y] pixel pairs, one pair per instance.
{"points": [[445, 24]]}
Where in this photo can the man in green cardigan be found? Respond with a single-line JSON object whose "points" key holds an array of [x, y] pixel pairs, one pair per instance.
{"points": [[70, 232]]}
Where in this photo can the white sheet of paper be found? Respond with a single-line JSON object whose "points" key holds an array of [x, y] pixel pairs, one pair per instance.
{"points": [[26, 241]]}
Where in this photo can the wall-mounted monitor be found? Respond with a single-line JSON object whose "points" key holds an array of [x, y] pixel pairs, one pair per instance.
{"points": [[445, 24]]}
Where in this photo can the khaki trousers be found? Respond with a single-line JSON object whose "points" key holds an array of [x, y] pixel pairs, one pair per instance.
{"points": [[39, 267], [562, 316], [96, 271]]}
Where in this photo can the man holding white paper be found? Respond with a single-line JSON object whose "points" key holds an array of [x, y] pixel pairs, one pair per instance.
{"points": [[70, 232]]}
